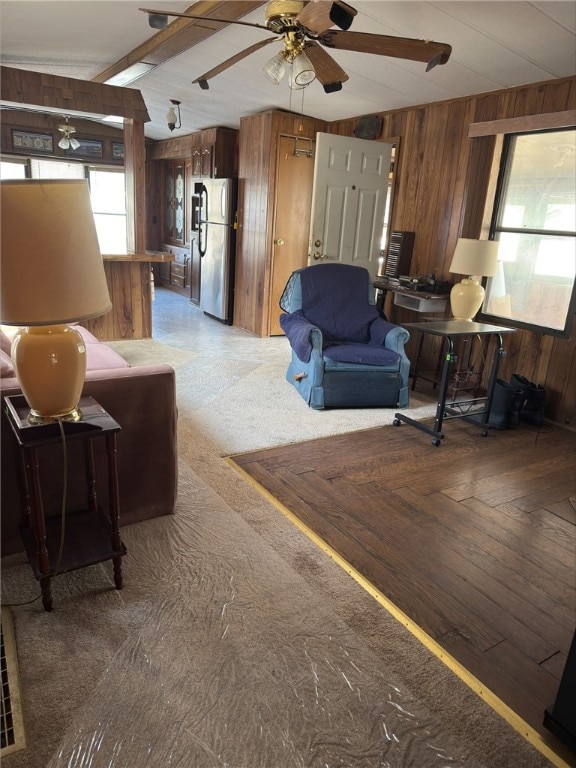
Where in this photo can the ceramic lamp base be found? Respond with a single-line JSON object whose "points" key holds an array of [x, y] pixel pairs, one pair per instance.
{"points": [[50, 364], [466, 298]]}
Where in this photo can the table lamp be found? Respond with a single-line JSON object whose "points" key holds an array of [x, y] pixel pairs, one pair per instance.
{"points": [[51, 274], [476, 258]]}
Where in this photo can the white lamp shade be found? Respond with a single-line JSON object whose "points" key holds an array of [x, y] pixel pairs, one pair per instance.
{"points": [[51, 266], [475, 257]]}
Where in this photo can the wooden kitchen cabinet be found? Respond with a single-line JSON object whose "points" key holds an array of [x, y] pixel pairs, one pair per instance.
{"points": [[202, 162], [216, 155], [177, 163], [176, 274], [175, 201]]}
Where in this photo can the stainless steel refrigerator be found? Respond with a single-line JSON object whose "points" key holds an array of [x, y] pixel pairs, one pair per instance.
{"points": [[217, 246]]}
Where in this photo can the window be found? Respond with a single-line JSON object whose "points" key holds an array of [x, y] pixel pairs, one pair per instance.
{"points": [[10, 169], [109, 205], [107, 193], [534, 220], [55, 169]]}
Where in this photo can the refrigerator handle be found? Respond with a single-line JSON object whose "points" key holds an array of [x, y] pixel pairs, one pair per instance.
{"points": [[202, 238], [202, 192]]}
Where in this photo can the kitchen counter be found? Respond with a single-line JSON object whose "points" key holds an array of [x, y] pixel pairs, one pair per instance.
{"points": [[129, 277]]}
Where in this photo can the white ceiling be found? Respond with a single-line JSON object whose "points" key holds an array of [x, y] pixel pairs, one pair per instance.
{"points": [[495, 45]]}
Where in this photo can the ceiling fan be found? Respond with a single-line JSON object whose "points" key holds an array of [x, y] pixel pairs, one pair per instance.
{"points": [[305, 29]]}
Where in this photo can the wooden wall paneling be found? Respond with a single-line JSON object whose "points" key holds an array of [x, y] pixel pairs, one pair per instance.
{"points": [[557, 95], [529, 101], [135, 180], [153, 204], [252, 219], [120, 284], [269, 169], [412, 151], [426, 213], [174, 148], [463, 190], [451, 182], [130, 293], [559, 381]]}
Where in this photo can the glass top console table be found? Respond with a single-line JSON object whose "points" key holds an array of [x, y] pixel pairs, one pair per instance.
{"points": [[451, 331]]}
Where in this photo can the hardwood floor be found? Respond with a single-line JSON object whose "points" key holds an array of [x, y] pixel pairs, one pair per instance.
{"points": [[474, 541]]}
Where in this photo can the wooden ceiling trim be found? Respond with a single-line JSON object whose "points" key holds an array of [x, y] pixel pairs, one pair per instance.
{"points": [[565, 119], [23, 86], [181, 34]]}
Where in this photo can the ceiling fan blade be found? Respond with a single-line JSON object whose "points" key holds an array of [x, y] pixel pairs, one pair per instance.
{"points": [[203, 79], [383, 45], [329, 73], [158, 14], [319, 15]]}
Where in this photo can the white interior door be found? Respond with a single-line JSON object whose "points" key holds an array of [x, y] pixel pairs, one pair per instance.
{"points": [[349, 200]]}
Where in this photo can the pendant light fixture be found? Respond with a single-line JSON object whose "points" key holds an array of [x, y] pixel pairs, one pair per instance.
{"points": [[171, 119], [68, 141]]}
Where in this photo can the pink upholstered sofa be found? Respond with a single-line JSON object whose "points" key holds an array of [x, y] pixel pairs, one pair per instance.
{"points": [[142, 399]]}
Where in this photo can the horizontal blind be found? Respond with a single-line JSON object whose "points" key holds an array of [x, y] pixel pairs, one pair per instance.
{"points": [[55, 169]]}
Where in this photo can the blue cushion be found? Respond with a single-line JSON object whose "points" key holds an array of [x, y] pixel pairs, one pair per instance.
{"points": [[335, 298], [297, 329], [364, 354]]}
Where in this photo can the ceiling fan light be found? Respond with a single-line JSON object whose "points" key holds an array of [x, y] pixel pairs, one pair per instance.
{"points": [[64, 143], [275, 69], [74, 143], [302, 73]]}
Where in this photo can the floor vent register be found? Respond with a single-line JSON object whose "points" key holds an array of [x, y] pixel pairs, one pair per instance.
{"points": [[12, 730]]}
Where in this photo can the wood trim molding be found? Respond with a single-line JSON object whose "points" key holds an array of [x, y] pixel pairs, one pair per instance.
{"points": [[565, 119], [39, 89]]}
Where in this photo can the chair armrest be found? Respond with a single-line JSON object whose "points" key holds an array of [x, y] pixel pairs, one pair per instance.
{"points": [[302, 335], [392, 336]]}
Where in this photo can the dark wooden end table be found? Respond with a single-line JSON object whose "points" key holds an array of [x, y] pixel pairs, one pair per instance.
{"points": [[90, 536]]}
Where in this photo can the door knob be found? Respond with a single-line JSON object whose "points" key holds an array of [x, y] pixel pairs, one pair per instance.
{"points": [[316, 255], [279, 241]]}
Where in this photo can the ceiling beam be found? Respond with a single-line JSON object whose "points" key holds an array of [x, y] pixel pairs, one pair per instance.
{"points": [[66, 94], [181, 35]]}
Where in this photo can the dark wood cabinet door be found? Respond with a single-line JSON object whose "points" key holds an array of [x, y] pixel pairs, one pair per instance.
{"points": [[175, 202]]}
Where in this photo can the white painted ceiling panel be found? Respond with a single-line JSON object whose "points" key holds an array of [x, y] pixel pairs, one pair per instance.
{"points": [[496, 44]]}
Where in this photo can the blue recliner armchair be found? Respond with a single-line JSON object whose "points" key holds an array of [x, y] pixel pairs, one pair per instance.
{"points": [[344, 353]]}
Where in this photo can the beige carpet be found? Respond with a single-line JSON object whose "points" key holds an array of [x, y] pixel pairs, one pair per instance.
{"points": [[236, 641], [238, 399]]}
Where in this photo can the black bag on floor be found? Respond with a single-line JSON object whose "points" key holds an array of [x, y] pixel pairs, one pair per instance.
{"points": [[534, 400], [506, 404]]}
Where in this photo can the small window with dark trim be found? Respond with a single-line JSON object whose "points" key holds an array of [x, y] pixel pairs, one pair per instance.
{"points": [[534, 221]]}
